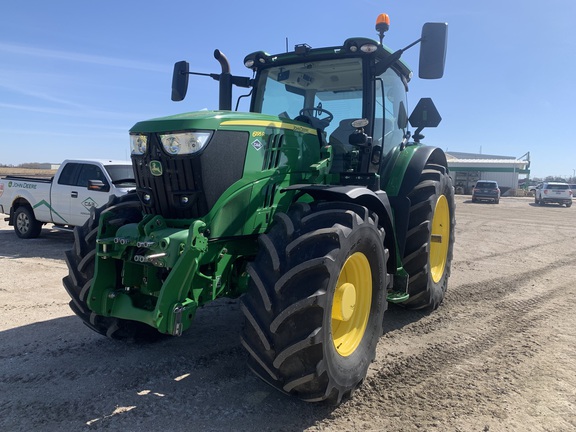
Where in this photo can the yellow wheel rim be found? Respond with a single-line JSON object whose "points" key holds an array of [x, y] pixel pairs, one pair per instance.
{"points": [[439, 239], [351, 304]]}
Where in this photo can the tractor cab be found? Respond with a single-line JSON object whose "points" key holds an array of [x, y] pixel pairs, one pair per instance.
{"points": [[330, 94], [331, 88]]}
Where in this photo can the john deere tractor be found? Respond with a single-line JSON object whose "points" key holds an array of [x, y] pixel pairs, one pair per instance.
{"points": [[317, 208]]}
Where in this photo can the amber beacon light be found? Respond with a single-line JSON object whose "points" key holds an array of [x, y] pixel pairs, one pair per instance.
{"points": [[382, 25]]}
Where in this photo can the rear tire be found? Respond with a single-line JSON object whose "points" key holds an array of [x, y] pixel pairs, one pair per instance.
{"points": [[25, 224], [316, 300], [81, 262], [430, 238]]}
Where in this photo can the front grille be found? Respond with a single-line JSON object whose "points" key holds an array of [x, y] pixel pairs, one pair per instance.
{"points": [[273, 152], [189, 185]]}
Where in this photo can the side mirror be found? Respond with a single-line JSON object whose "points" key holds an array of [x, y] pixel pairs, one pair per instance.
{"points": [[98, 185], [180, 80], [433, 50], [402, 116]]}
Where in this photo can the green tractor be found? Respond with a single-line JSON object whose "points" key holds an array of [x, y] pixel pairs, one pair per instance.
{"points": [[317, 208]]}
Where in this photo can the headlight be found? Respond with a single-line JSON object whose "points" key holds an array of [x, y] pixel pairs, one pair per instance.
{"points": [[138, 144], [184, 142]]}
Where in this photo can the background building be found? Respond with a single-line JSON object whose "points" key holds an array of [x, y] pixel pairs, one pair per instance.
{"points": [[467, 168]]}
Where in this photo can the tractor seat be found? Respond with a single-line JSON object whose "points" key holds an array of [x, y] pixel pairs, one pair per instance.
{"points": [[339, 140], [341, 135]]}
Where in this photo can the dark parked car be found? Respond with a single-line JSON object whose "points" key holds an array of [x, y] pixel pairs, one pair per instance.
{"points": [[486, 190]]}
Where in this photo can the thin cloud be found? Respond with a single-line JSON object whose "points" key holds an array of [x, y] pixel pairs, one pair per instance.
{"points": [[30, 51], [65, 112], [41, 96]]}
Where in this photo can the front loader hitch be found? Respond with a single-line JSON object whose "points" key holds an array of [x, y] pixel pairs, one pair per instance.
{"points": [[145, 273]]}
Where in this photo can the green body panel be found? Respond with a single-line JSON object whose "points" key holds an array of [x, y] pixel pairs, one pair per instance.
{"points": [[159, 271], [392, 175]]}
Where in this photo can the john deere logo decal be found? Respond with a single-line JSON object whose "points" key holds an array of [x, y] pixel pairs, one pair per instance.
{"points": [[155, 168]]}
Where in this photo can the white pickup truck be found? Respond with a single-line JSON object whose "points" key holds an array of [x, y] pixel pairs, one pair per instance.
{"points": [[66, 199]]}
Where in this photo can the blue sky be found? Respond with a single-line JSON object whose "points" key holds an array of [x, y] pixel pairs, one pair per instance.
{"points": [[76, 75]]}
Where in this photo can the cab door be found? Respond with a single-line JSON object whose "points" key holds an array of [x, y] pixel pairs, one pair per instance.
{"points": [[83, 199], [61, 193], [71, 198]]}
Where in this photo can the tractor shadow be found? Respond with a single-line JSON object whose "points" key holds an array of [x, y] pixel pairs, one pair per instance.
{"points": [[397, 317], [88, 381], [50, 244]]}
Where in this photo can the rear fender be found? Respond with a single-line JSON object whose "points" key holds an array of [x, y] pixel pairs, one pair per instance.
{"points": [[18, 202], [402, 176], [402, 173], [375, 201]]}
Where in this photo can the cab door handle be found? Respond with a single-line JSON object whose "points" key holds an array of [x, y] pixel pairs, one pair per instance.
{"points": [[74, 194]]}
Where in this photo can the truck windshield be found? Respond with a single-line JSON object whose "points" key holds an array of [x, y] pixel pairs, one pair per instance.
{"points": [[334, 85], [121, 173]]}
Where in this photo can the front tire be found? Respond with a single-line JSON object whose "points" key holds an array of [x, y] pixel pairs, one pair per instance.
{"points": [[25, 224], [430, 239], [81, 266], [316, 300]]}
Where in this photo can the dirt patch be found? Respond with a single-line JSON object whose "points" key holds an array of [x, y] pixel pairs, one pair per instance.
{"points": [[498, 355], [27, 172]]}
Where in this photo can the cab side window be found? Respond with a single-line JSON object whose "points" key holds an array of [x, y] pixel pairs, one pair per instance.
{"points": [[69, 174], [90, 172], [390, 114]]}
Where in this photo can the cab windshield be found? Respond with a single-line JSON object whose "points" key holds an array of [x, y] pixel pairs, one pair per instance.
{"points": [[333, 90], [333, 85]]}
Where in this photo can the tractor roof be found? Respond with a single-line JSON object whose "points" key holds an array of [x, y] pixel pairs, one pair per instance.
{"points": [[352, 47]]}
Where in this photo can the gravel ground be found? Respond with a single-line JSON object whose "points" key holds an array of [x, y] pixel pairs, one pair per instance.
{"points": [[498, 355]]}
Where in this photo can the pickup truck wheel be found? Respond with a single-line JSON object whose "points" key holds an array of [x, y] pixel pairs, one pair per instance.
{"points": [[430, 239], [81, 261], [25, 224], [316, 301]]}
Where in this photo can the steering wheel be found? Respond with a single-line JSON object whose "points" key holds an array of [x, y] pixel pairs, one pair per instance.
{"points": [[316, 112]]}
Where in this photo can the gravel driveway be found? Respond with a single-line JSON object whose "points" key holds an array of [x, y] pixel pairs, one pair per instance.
{"points": [[498, 355]]}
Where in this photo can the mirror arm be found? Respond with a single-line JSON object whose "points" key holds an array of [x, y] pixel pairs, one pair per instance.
{"points": [[211, 75], [417, 136], [411, 45], [393, 58]]}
